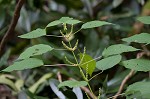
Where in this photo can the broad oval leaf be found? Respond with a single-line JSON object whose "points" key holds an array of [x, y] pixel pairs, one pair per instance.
{"points": [[65, 19], [24, 64], [138, 38], [142, 87], [144, 19], [72, 84], [53, 23], [137, 64], [88, 62], [35, 50], [73, 21], [34, 34], [93, 24], [108, 62], [117, 49]]}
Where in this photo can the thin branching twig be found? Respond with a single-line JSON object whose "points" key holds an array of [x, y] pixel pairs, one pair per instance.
{"points": [[131, 73]]}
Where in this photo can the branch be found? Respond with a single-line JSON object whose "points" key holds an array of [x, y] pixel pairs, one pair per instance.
{"points": [[85, 89], [123, 83], [12, 25], [131, 73]]}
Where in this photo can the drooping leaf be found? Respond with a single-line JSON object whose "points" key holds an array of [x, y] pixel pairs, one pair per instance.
{"points": [[19, 84], [78, 92], [142, 87], [24, 64], [53, 23], [93, 24], [137, 64], [4, 80], [34, 87], [35, 50], [88, 62], [144, 19], [73, 21], [72, 83], [138, 38], [53, 84], [108, 62], [117, 49], [34, 34]]}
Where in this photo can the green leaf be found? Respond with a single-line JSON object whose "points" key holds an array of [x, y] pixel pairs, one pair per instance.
{"points": [[108, 62], [34, 87], [24, 64], [137, 64], [34, 34], [134, 95], [138, 38], [53, 23], [35, 50], [73, 21], [117, 49], [144, 19], [142, 87], [65, 19], [4, 80], [88, 62], [72, 83], [93, 24]]}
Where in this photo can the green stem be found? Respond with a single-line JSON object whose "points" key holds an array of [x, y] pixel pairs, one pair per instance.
{"points": [[91, 91], [77, 31], [81, 71], [87, 95]]}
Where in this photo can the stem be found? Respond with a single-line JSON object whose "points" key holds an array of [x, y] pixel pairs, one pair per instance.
{"points": [[54, 35], [131, 73], [91, 91], [123, 83], [73, 53], [86, 90], [95, 75], [87, 95], [77, 31], [12, 25], [117, 95], [58, 65], [81, 71]]}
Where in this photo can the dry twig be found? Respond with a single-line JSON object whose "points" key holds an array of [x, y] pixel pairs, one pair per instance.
{"points": [[85, 89], [12, 25], [131, 73]]}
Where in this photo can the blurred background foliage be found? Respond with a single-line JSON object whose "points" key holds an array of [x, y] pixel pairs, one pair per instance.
{"points": [[37, 14]]}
